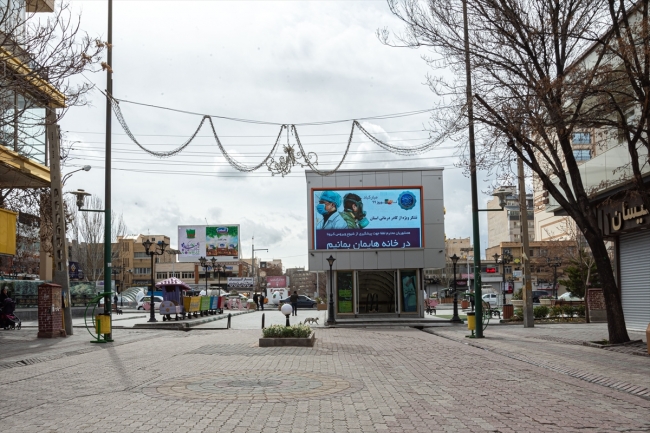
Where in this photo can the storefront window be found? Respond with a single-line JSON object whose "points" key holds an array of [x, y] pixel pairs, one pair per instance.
{"points": [[409, 291], [344, 287]]}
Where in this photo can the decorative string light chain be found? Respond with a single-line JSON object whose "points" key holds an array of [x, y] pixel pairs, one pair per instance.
{"points": [[281, 165]]}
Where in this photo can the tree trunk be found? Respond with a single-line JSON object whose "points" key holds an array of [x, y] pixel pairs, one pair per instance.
{"points": [[615, 319]]}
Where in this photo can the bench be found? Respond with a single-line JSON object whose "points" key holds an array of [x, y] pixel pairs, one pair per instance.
{"points": [[493, 312]]}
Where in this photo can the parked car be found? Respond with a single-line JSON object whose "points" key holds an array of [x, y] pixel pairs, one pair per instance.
{"points": [[303, 301], [538, 294], [569, 297], [156, 299], [491, 298]]}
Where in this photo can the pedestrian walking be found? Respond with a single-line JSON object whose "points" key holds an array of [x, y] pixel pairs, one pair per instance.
{"points": [[256, 298], [294, 303], [262, 301]]}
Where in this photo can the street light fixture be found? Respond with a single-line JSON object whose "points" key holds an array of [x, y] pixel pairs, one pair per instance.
{"points": [[158, 250], [67, 176], [330, 314], [555, 263], [455, 318]]}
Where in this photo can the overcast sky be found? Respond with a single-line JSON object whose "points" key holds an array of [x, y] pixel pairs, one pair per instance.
{"points": [[276, 61]]}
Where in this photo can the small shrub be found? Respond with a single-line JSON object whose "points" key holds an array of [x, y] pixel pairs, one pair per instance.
{"points": [[568, 311], [540, 312], [518, 314], [556, 311], [580, 310], [518, 295], [279, 331]]}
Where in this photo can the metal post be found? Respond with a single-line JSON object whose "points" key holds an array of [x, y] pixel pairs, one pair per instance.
{"points": [[152, 303], [472, 169], [205, 270], [503, 264], [107, 177], [330, 313], [455, 318]]}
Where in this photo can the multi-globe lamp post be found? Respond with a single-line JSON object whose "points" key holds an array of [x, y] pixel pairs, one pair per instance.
{"points": [[505, 259], [205, 263], [455, 318], [158, 250]]}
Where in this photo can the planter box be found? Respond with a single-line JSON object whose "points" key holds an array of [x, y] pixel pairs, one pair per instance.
{"points": [[549, 302], [517, 303], [299, 342], [321, 306]]}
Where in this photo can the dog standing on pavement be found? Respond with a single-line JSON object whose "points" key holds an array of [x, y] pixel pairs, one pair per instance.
{"points": [[313, 320]]}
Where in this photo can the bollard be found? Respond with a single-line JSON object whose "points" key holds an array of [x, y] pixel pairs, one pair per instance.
{"points": [[229, 317], [263, 320]]}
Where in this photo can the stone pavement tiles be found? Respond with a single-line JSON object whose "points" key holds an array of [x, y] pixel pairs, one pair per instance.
{"points": [[353, 380]]}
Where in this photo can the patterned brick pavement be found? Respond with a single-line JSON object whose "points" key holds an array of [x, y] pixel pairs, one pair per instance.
{"points": [[353, 380]]}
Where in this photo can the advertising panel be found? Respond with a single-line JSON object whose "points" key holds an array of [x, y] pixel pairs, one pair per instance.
{"points": [[278, 282], [219, 241], [240, 282], [369, 218]]}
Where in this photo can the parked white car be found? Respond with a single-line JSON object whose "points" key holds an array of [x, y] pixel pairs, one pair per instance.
{"points": [[491, 298], [156, 299], [569, 297]]}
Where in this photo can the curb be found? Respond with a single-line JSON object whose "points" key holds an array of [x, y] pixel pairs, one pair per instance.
{"points": [[183, 326]]}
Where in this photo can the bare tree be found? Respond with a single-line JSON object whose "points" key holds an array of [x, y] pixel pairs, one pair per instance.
{"points": [[41, 54], [88, 231], [534, 88]]}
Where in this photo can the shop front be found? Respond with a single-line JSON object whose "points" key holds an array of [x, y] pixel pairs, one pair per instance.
{"points": [[382, 233], [625, 221]]}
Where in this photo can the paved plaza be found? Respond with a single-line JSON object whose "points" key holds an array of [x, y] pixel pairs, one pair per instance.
{"points": [[354, 380]]}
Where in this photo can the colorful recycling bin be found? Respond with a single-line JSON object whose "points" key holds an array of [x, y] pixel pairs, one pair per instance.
{"points": [[103, 324]]}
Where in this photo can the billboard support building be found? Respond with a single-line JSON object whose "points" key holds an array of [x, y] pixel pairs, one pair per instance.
{"points": [[383, 227]]}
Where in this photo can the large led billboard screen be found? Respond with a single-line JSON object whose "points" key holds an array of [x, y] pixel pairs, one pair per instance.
{"points": [[369, 218], [221, 242]]}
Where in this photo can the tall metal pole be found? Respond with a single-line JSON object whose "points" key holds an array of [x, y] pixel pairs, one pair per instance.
{"points": [[107, 181], [478, 295], [529, 320], [253, 262], [152, 300], [455, 317], [503, 265]]}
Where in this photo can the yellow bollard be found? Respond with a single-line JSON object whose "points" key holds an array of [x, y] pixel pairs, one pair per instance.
{"points": [[471, 322]]}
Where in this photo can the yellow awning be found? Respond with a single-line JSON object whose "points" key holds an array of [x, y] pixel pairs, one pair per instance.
{"points": [[18, 171], [40, 87]]}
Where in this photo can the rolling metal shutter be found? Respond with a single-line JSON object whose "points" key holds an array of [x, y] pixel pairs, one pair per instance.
{"points": [[635, 279]]}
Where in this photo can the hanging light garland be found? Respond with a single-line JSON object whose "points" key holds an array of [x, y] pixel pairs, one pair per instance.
{"points": [[289, 157]]}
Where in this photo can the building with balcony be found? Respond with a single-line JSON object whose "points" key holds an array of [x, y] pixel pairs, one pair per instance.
{"points": [[28, 104], [131, 257]]}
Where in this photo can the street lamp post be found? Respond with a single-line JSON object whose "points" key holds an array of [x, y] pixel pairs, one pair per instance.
{"points": [[253, 261], [505, 259], [455, 318], [213, 260], [117, 270], [554, 263], [158, 250], [330, 313], [204, 264]]}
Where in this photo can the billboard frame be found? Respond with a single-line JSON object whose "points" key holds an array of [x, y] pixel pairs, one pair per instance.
{"points": [[360, 188]]}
